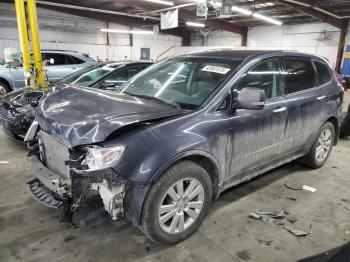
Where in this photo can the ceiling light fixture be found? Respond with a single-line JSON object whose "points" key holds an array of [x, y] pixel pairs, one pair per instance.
{"points": [[267, 19], [256, 15], [195, 24], [161, 2], [121, 31], [241, 10]]}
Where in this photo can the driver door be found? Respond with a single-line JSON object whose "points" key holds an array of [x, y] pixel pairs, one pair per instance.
{"points": [[257, 135]]}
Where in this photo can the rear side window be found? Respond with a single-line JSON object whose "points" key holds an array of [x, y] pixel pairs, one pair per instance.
{"points": [[73, 60], [323, 72], [300, 75]]}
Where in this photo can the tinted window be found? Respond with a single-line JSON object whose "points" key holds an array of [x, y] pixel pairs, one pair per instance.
{"points": [[323, 72], [122, 75], [300, 75], [186, 82], [73, 60], [55, 59], [265, 76]]}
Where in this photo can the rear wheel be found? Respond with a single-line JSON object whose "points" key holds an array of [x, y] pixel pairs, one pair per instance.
{"points": [[177, 203], [321, 148]]}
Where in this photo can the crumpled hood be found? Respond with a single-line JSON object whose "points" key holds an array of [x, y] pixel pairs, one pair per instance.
{"points": [[79, 116], [23, 97]]}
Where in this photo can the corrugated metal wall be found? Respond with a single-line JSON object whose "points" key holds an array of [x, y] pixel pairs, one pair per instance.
{"points": [[307, 38], [64, 31]]}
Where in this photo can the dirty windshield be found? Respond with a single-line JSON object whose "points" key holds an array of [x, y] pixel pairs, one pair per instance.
{"points": [[186, 82]]}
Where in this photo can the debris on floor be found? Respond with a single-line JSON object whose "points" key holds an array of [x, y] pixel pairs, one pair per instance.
{"points": [[264, 242], [291, 198], [293, 185], [309, 188], [279, 219], [273, 218], [297, 232], [298, 186]]}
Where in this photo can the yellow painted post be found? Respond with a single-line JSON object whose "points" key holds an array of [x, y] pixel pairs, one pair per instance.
{"points": [[23, 39], [34, 31]]}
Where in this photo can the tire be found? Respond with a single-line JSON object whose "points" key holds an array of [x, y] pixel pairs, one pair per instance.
{"points": [[313, 159], [187, 173], [4, 88]]}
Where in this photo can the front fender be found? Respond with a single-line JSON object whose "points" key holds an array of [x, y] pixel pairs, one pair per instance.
{"points": [[183, 155]]}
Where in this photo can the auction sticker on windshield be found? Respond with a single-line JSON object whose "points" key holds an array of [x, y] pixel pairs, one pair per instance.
{"points": [[216, 69]]}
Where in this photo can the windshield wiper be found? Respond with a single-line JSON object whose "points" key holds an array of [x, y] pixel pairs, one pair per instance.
{"points": [[175, 105]]}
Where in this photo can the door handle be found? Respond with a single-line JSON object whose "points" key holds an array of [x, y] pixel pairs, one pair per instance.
{"points": [[320, 98], [280, 109]]}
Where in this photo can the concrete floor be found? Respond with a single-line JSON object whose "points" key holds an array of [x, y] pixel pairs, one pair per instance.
{"points": [[32, 232]]}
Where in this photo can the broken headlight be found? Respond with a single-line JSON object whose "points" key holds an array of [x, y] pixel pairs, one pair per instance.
{"points": [[103, 157]]}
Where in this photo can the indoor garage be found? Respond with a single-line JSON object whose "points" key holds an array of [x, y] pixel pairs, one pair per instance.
{"points": [[175, 130]]}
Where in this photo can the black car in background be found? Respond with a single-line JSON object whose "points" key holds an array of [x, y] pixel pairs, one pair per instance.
{"points": [[181, 132], [16, 109]]}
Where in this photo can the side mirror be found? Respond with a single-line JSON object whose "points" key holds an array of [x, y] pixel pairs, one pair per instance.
{"points": [[251, 99]]}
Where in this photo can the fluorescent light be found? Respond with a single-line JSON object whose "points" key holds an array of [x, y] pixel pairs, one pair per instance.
{"points": [[267, 19], [195, 24], [141, 32], [121, 31], [161, 2], [118, 31], [241, 10]]}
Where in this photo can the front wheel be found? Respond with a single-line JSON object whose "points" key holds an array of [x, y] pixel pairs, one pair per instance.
{"points": [[177, 203], [4, 89], [321, 148]]}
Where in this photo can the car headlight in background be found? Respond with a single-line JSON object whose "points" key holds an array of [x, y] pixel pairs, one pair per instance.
{"points": [[103, 157]]}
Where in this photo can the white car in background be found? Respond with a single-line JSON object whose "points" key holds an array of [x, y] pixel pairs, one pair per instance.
{"points": [[60, 64]]}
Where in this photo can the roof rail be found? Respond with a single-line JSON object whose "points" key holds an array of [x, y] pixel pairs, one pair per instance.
{"points": [[60, 50]]}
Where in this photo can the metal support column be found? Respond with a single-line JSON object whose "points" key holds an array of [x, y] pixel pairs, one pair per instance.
{"points": [[34, 31], [23, 40]]}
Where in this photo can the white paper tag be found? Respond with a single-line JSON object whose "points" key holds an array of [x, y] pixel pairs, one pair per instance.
{"points": [[309, 188], [216, 69]]}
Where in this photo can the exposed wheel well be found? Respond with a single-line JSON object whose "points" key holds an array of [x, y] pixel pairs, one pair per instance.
{"points": [[3, 80], [335, 123], [211, 169]]}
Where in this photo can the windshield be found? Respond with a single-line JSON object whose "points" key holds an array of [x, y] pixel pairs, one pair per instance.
{"points": [[87, 75], [185, 82]]}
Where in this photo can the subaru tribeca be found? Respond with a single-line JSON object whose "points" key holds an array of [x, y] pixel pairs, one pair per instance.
{"points": [[181, 132]]}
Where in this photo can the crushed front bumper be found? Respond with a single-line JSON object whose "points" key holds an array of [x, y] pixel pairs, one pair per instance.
{"points": [[54, 191], [43, 194], [49, 179]]}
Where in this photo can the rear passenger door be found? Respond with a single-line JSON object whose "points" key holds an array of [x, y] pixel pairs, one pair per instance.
{"points": [[304, 99], [58, 66]]}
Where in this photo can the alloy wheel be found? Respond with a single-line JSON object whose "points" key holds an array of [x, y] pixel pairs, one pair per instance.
{"points": [[181, 205], [324, 144]]}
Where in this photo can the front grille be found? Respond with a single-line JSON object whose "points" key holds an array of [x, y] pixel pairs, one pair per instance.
{"points": [[55, 154], [5, 114]]}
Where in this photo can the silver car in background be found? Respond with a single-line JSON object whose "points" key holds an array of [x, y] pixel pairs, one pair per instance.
{"points": [[60, 64]]}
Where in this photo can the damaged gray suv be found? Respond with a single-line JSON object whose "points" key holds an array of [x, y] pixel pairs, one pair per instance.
{"points": [[181, 132]]}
